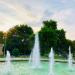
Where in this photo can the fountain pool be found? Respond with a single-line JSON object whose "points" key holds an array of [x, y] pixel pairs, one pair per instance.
{"points": [[48, 67], [23, 68]]}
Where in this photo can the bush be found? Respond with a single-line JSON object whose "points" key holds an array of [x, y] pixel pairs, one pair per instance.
{"points": [[15, 52]]}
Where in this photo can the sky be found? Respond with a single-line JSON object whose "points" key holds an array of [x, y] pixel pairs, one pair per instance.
{"points": [[34, 12]]}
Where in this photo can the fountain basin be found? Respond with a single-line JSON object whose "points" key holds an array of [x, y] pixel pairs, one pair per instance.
{"points": [[23, 68]]}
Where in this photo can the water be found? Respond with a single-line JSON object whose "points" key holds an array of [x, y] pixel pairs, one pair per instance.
{"points": [[8, 57], [23, 68], [7, 65], [51, 62], [35, 54], [70, 60]]}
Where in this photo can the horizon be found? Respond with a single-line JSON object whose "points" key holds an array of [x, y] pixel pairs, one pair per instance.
{"points": [[33, 13]]}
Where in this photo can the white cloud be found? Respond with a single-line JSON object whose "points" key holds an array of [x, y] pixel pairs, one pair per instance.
{"points": [[67, 1], [33, 12], [22, 15], [64, 1]]}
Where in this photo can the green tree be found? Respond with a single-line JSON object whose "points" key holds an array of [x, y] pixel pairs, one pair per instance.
{"points": [[50, 36], [1, 37], [50, 24], [20, 37], [15, 52], [73, 48]]}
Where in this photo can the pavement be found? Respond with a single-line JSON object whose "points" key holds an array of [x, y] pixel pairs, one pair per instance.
{"points": [[42, 59]]}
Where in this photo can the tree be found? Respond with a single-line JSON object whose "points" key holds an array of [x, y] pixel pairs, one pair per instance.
{"points": [[50, 36], [50, 24], [1, 37], [15, 52], [48, 39], [73, 48], [20, 37]]}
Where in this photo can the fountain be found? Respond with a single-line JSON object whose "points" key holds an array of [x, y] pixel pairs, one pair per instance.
{"points": [[70, 60], [35, 54], [8, 57], [23, 67], [7, 66], [51, 62]]}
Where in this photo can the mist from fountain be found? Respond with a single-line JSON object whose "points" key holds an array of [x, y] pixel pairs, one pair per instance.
{"points": [[35, 54], [51, 62], [8, 57], [70, 60], [7, 66]]}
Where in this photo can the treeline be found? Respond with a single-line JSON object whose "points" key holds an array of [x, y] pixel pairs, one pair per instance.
{"points": [[19, 40]]}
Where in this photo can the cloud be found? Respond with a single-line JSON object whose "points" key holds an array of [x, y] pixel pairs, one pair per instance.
{"points": [[67, 1], [33, 12], [21, 12], [25, 13], [18, 15]]}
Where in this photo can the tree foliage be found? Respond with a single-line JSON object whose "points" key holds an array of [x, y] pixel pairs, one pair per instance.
{"points": [[20, 38], [50, 36], [50, 24], [1, 37]]}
